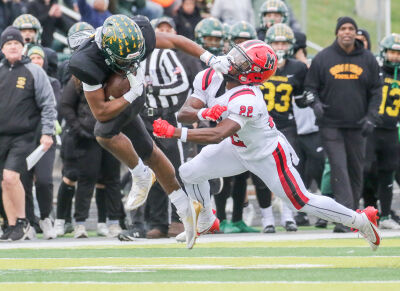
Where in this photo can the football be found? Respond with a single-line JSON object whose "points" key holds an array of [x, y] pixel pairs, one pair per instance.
{"points": [[116, 86]]}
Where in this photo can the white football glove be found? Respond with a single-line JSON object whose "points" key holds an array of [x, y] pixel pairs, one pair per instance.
{"points": [[220, 64], [137, 84]]}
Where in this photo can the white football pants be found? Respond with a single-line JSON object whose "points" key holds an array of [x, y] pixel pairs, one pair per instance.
{"points": [[277, 172]]}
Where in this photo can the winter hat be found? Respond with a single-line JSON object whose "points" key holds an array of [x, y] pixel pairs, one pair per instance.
{"points": [[11, 33], [343, 20], [36, 50]]}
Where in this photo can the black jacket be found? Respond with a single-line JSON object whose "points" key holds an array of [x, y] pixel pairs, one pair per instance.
{"points": [[186, 23], [348, 84], [75, 109], [26, 98]]}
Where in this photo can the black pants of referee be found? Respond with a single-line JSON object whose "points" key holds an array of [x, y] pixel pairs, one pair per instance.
{"points": [[312, 158], [156, 210], [97, 166], [345, 148]]}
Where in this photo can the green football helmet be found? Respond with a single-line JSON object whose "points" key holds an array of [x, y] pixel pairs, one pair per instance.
{"points": [[28, 21], [226, 31], [390, 42], [209, 27], [276, 6], [78, 33], [281, 32], [243, 30], [122, 43]]}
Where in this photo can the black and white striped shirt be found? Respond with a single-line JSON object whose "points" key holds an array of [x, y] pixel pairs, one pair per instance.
{"points": [[168, 78]]}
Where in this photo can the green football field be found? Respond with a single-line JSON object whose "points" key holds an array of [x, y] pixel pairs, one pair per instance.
{"points": [[284, 263]]}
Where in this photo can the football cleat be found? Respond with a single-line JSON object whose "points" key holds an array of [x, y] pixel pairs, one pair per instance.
{"points": [[189, 220], [181, 237], [370, 228], [207, 223], [140, 189]]}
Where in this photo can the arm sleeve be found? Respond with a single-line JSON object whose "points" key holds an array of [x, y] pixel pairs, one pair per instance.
{"points": [[179, 81], [69, 104], [375, 90], [45, 100]]}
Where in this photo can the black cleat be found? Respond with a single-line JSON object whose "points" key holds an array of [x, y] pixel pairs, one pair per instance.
{"points": [[290, 226], [20, 230], [131, 234], [6, 233], [302, 219], [269, 229], [340, 228], [321, 223]]}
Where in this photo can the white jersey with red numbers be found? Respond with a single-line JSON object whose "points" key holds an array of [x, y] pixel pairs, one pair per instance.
{"points": [[258, 136]]}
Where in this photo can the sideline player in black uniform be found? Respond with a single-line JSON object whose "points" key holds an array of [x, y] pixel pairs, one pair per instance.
{"points": [[279, 92], [382, 145], [119, 46]]}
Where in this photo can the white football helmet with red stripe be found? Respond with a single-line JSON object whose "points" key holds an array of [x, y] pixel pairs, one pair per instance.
{"points": [[253, 62]]}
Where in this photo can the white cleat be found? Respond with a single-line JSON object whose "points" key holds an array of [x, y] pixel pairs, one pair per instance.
{"points": [[370, 230], [189, 220], [140, 189], [59, 225], [47, 227], [207, 222], [181, 237], [102, 229], [114, 230], [80, 231], [388, 224]]}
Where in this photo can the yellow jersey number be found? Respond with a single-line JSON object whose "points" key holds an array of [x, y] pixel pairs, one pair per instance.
{"points": [[392, 110], [284, 88]]}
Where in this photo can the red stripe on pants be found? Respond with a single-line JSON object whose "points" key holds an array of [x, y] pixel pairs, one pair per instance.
{"points": [[285, 185], [291, 177]]}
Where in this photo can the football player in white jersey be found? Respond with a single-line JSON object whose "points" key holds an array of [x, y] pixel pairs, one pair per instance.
{"points": [[247, 140]]}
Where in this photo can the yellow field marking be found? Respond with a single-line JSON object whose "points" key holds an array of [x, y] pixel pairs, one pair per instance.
{"points": [[201, 262], [210, 286]]}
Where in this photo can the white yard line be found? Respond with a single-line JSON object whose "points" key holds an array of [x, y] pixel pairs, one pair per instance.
{"points": [[204, 282], [248, 237]]}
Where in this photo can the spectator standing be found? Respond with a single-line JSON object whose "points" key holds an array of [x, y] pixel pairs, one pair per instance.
{"points": [[31, 31], [382, 145], [94, 12], [49, 13], [345, 94], [187, 17], [42, 173], [233, 11], [92, 165], [27, 99], [9, 10]]}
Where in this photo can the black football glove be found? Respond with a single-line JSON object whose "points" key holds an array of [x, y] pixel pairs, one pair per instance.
{"points": [[367, 126]]}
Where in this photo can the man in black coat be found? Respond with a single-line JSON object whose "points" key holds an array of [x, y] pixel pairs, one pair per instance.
{"points": [[344, 89]]}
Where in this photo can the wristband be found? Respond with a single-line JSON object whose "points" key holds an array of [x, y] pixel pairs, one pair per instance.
{"points": [[206, 57], [184, 133], [130, 96], [200, 114]]}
